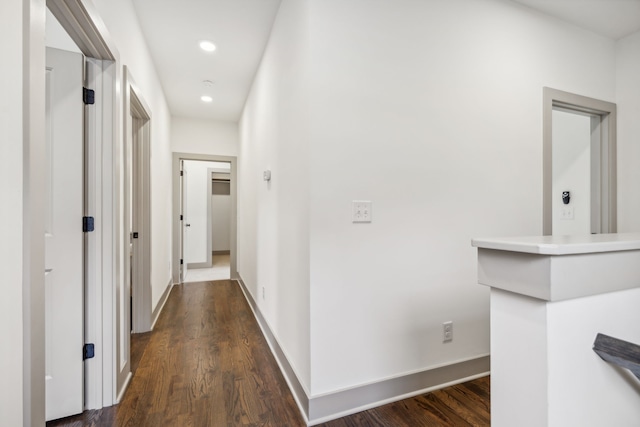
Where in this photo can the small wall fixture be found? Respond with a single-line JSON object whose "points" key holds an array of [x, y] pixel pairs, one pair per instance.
{"points": [[266, 175]]}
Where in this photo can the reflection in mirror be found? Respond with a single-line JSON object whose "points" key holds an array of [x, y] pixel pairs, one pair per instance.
{"points": [[579, 178]]}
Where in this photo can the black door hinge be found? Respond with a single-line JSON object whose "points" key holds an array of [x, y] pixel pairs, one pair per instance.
{"points": [[135, 234], [181, 218], [88, 96], [181, 173], [88, 351], [87, 224], [181, 262]]}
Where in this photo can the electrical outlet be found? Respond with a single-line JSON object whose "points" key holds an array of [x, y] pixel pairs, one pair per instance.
{"points": [[362, 211], [566, 213], [263, 293], [447, 331]]}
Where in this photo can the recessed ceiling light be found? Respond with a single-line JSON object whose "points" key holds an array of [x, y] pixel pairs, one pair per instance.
{"points": [[207, 46], [206, 98]]}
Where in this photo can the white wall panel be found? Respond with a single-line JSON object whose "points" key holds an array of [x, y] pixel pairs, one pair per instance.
{"points": [[273, 217], [450, 95], [628, 100], [571, 171], [121, 21], [220, 222], [11, 213], [204, 136]]}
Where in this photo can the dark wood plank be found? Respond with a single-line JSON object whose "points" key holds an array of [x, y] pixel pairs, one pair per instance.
{"points": [[207, 364], [465, 404], [618, 352]]}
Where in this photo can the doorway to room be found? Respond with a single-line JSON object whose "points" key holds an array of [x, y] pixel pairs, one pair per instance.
{"points": [[204, 205], [207, 215], [77, 211], [579, 170]]}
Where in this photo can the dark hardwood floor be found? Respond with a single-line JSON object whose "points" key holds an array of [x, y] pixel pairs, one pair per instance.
{"points": [[464, 404], [207, 364]]}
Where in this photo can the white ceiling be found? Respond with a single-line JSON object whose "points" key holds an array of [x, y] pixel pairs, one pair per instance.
{"points": [[240, 29], [611, 18]]}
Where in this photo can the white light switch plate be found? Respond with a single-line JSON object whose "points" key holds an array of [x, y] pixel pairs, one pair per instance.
{"points": [[361, 211]]}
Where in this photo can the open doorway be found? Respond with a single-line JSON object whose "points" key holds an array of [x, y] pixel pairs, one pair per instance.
{"points": [[138, 161], [579, 176], [204, 206], [206, 203]]}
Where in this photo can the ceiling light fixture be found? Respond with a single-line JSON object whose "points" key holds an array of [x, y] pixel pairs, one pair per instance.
{"points": [[207, 46], [206, 98]]}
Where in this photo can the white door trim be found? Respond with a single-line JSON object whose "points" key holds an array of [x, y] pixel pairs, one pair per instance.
{"points": [[137, 119], [182, 186], [83, 23], [33, 185]]}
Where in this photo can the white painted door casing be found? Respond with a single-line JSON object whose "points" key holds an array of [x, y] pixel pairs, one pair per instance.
{"points": [[183, 222]]}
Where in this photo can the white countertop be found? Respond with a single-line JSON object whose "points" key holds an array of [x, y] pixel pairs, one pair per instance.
{"points": [[562, 245]]}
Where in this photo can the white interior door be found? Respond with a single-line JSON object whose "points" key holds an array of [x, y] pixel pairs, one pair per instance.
{"points": [[184, 225], [63, 234]]}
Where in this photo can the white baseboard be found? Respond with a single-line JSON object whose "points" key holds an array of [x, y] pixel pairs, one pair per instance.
{"points": [[163, 300], [299, 394], [330, 406], [124, 388], [342, 403]]}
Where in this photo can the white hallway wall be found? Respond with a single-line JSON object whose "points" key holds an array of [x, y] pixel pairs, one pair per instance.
{"points": [[204, 136], [628, 101], [122, 24], [456, 106], [450, 95], [571, 171], [273, 217], [11, 212]]}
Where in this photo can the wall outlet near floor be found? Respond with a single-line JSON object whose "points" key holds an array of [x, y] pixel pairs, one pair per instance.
{"points": [[263, 293], [447, 331]]}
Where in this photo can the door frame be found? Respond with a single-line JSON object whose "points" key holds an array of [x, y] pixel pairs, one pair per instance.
{"points": [[137, 135], [176, 223], [82, 22], [604, 121], [183, 267]]}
